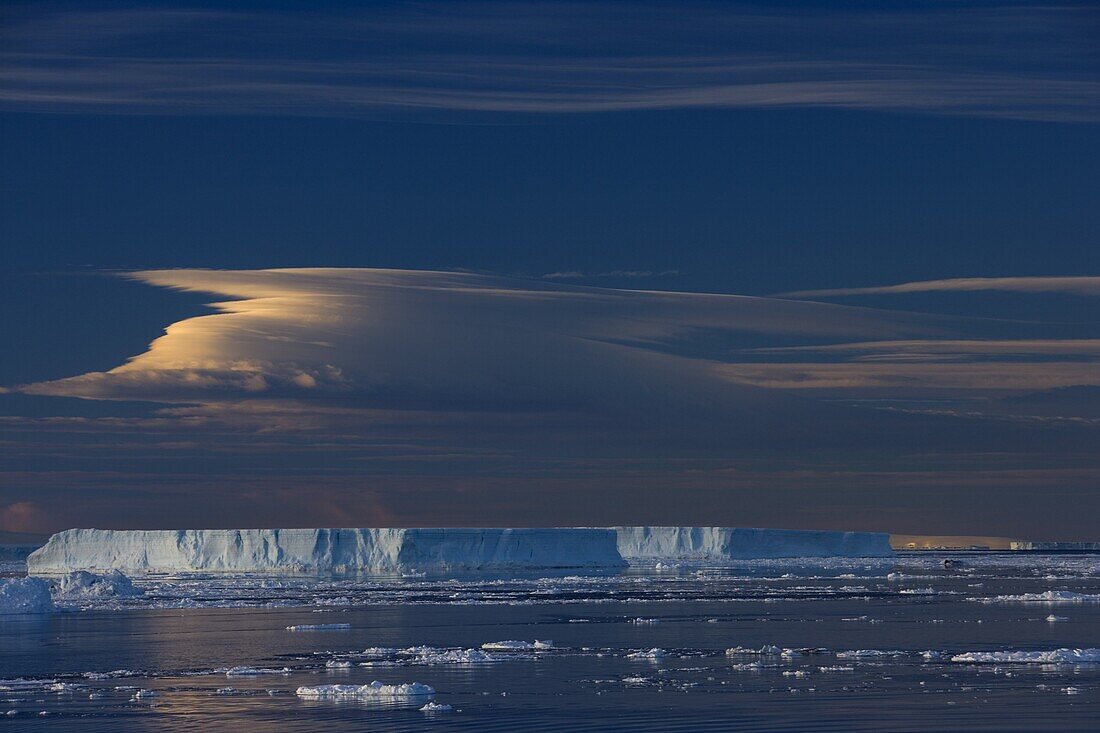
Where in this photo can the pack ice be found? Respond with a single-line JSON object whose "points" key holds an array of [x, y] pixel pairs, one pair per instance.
{"points": [[716, 544], [379, 551]]}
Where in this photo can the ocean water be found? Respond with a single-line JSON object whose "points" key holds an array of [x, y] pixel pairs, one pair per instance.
{"points": [[870, 647]]}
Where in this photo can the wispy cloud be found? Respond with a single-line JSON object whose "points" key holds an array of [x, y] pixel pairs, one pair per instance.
{"points": [[1089, 285], [624, 274], [997, 61]]}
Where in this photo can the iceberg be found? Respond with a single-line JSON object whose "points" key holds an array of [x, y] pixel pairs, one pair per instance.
{"points": [[84, 585], [377, 551], [405, 551], [25, 595], [718, 544]]}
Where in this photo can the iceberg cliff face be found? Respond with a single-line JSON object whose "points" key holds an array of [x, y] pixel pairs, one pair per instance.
{"points": [[324, 550], [716, 544], [385, 551]]}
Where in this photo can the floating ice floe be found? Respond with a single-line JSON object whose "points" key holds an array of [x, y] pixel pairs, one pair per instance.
{"points": [[1050, 596], [1052, 618], [872, 654], [254, 671], [764, 651], [435, 707], [374, 690], [25, 595], [318, 627], [1056, 656], [653, 653], [337, 664], [517, 646]]}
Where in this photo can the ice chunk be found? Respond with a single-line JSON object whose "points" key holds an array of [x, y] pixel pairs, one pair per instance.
{"points": [[734, 543], [254, 671], [765, 651], [374, 690], [318, 627], [382, 551], [517, 646], [1050, 596], [82, 584], [25, 595], [1056, 656], [654, 653], [435, 707]]}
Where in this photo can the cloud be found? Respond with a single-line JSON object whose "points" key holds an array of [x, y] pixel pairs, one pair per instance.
{"points": [[412, 397], [985, 60], [1077, 285], [578, 275]]}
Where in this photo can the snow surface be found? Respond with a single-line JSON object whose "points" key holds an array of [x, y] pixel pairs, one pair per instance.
{"points": [[382, 551], [735, 543], [25, 595]]}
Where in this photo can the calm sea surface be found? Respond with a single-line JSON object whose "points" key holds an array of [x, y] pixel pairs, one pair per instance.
{"points": [[870, 648]]}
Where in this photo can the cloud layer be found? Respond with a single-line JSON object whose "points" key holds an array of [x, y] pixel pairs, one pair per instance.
{"points": [[1007, 61], [355, 396]]}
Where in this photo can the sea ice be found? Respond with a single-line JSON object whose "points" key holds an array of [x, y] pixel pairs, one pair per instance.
{"points": [[517, 646], [318, 627], [25, 595], [83, 585], [374, 690], [1056, 656], [1050, 596]]}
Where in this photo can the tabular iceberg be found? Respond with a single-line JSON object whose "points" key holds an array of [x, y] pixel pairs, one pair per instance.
{"points": [[379, 551], [393, 550], [717, 544]]}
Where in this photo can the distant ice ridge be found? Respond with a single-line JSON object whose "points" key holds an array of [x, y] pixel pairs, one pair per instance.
{"points": [[716, 544], [381, 551]]}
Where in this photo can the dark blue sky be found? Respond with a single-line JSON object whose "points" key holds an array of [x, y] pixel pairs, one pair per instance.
{"points": [[745, 149]]}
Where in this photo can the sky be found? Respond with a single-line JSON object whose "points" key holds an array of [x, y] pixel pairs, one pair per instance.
{"points": [[794, 264]]}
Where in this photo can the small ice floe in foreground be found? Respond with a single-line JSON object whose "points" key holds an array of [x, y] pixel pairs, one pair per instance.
{"points": [[254, 671], [653, 653], [25, 595], [1052, 618], [319, 627], [645, 621], [1072, 690], [143, 694], [435, 707], [1056, 656], [517, 646], [374, 690]]}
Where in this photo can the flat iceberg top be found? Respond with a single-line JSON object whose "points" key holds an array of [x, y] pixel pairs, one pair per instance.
{"points": [[440, 549]]}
